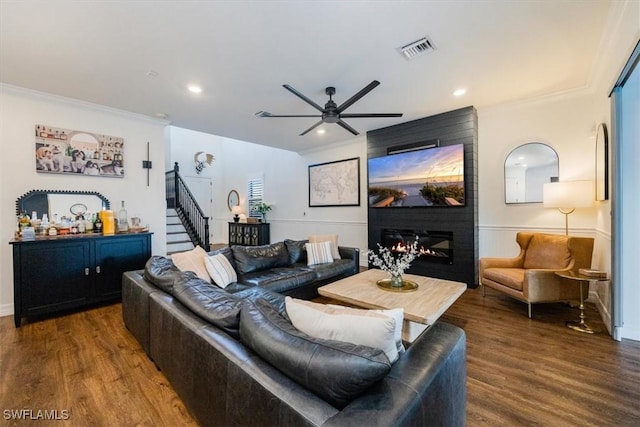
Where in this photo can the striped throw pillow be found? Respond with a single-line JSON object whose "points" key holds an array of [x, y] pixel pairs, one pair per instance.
{"points": [[220, 270], [318, 253]]}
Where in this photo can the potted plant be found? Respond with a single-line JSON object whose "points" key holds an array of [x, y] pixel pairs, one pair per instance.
{"points": [[263, 208]]}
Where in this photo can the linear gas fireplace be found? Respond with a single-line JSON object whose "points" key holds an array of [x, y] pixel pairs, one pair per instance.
{"points": [[434, 246]]}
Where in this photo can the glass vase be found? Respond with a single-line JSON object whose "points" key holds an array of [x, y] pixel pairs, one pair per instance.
{"points": [[396, 280]]}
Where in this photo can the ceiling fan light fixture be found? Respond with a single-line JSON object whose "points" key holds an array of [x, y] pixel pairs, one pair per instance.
{"points": [[459, 92], [332, 113], [416, 48]]}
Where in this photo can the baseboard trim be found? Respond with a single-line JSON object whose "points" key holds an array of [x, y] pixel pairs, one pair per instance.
{"points": [[602, 309], [6, 310]]}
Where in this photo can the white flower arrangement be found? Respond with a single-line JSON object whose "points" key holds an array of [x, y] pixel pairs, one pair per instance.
{"points": [[385, 260]]}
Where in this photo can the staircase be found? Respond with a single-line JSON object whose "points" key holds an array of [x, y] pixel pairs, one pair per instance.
{"points": [[186, 224], [177, 237]]}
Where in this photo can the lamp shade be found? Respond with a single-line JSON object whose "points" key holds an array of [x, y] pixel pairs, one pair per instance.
{"points": [[568, 194], [236, 210]]}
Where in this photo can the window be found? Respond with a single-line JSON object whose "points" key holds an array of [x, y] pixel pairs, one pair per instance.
{"points": [[255, 195]]}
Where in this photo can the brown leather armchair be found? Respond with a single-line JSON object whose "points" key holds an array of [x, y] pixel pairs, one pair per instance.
{"points": [[530, 277]]}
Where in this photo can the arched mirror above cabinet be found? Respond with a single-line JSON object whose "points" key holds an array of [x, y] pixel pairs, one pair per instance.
{"points": [[61, 203], [526, 169]]}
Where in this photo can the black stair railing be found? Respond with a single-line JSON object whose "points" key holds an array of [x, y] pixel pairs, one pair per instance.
{"points": [[180, 198]]}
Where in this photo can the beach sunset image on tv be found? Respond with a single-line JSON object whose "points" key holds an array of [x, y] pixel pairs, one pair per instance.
{"points": [[426, 177]]}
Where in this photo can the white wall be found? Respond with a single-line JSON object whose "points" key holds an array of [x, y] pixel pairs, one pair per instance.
{"points": [[563, 122], [21, 110]]}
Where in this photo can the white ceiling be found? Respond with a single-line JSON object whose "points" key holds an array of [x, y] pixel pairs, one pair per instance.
{"points": [[242, 52]]}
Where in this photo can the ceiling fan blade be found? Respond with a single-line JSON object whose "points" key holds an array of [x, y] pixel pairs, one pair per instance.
{"points": [[357, 96], [311, 128], [304, 98], [362, 115], [347, 127], [292, 115]]}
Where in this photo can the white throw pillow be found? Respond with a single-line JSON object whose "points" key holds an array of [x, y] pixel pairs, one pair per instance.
{"points": [[220, 270], [318, 253], [396, 313], [192, 260], [356, 326], [333, 238]]}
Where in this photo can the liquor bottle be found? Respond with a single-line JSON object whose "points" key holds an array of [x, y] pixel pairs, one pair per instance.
{"points": [[81, 223], [97, 226], [88, 223], [123, 222]]}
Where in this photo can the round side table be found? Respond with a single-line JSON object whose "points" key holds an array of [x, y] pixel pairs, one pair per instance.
{"points": [[580, 325]]}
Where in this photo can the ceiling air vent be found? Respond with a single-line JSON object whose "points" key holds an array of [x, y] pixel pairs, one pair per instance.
{"points": [[416, 48]]}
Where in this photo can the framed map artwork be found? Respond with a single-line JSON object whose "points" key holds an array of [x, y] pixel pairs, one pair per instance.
{"points": [[335, 183]]}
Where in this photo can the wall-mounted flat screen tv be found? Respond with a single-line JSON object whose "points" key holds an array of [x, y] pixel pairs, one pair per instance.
{"points": [[425, 177]]}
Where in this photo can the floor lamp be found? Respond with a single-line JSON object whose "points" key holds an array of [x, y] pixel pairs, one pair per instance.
{"points": [[567, 196]]}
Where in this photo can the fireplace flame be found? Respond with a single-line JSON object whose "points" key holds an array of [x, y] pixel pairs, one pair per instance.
{"points": [[400, 247]]}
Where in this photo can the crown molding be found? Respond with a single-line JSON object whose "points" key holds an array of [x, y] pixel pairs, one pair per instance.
{"points": [[18, 90], [610, 42]]}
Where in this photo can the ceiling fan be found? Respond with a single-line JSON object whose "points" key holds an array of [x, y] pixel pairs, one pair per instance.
{"points": [[332, 113]]}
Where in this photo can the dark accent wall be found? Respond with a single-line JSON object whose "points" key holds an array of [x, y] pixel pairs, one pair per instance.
{"points": [[454, 127]]}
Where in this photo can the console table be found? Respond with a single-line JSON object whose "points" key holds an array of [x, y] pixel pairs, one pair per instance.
{"points": [[52, 274], [245, 234]]}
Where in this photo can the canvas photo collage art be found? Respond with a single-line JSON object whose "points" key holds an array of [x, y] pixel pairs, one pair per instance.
{"points": [[67, 151]]}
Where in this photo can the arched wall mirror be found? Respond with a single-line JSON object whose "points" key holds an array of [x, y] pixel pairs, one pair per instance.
{"points": [[526, 169], [61, 203], [602, 163]]}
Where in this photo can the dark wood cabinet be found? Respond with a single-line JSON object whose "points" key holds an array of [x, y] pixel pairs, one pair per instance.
{"points": [[55, 274], [241, 233]]}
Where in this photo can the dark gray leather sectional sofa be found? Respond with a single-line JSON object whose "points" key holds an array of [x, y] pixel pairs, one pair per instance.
{"points": [[213, 346], [282, 267]]}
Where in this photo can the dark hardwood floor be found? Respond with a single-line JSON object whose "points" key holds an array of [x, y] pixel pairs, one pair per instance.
{"points": [[538, 372], [521, 372], [88, 364]]}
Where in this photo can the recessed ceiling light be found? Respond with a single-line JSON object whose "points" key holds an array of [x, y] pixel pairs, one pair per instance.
{"points": [[459, 92], [321, 131], [194, 89]]}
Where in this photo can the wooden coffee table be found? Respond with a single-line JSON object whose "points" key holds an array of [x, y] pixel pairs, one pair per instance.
{"points": [[422, 307]]}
